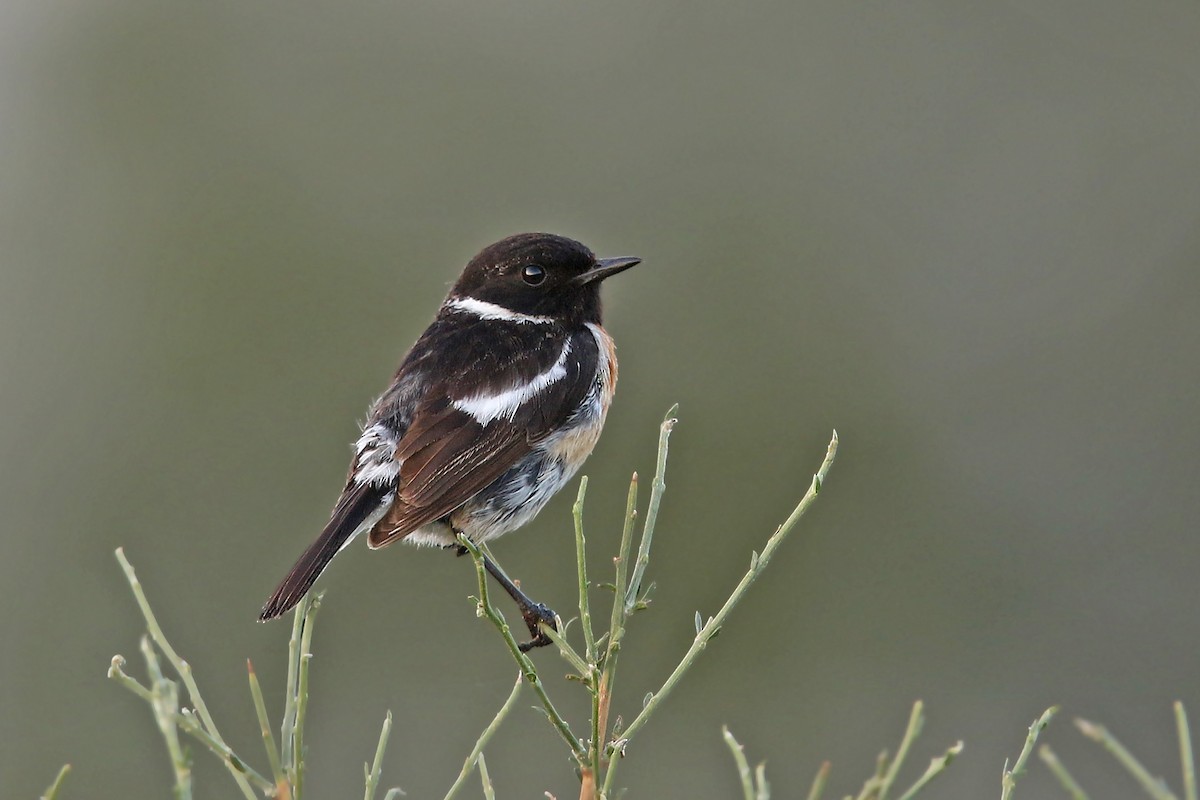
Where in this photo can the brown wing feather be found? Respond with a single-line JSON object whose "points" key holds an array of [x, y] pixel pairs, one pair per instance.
{"points": [[454, 459]]}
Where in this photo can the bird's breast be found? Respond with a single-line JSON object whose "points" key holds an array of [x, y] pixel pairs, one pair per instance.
{"points": [[575, 441]]}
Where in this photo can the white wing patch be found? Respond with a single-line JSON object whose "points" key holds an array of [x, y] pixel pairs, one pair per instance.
{"points": [[487, 407], [486, 310], [375, 453]]}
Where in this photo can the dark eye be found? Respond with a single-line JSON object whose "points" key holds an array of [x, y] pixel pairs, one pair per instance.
{"points": [[533, 274]]}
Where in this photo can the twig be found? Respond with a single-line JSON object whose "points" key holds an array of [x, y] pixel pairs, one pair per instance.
{"points": [[165, 704], [1064, 777], [936, 767], [52, 792], [1098, 733], [757, 564], [1186, 758], [818, 784], [743, 766], [184, 671], [189, 724], [375, 768], [489, 793], [1008, 780], [309, 612], [477, 750], [656, 492], [916, 720], [287, 725], [283, 789]]}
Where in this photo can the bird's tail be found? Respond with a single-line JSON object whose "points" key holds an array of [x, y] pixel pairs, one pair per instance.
{"points": [[359, 508]]}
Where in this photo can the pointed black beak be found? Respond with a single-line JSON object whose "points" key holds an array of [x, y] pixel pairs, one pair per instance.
{"points": [[606, 267]]}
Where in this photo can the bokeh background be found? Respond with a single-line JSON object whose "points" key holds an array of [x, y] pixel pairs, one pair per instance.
{"points": [[964, 234]]}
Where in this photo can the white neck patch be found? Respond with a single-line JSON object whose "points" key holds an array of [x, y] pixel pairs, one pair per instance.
{"points": [[486, 310], [504, 405]]}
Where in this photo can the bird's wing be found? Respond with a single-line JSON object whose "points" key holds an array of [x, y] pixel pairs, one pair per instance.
{"points": [[455, 446]]}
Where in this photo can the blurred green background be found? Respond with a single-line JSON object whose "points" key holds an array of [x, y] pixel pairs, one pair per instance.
{"points": [[964, 234]]}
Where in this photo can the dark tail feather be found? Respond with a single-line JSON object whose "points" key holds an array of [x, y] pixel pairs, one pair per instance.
{"points": [[352, 510]]}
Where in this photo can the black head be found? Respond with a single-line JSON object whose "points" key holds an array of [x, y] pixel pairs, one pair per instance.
{"points": [[540, 274]]}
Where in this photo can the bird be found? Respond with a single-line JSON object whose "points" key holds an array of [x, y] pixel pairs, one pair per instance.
{"points": [[492, 411]]}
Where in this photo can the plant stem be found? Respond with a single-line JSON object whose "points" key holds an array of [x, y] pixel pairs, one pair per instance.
{"points": [[1064, 777], [477, 750], [188, 723], [52, 792], [182, 667], [283, 789], [743, 766], [1186, 757], [305, 657], [523, 661], [165, 704], [819, 781], [288, 725], [1008, 780], [936, 767], [916, 720], [656, 492], [1153, 786], [376, 767], [715, 623]]}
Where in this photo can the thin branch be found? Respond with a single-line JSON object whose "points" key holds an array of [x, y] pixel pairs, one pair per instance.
{"points": [[165, 704], [376, 768], [1186, 758], [184, 670], [1064, 777], [936, 767], [656, 492], [477, 750], [488, 611], [309, 612], [1008, 780], [714, 624], [743, 766], [283, 789], [1098, 733], [818, 784], [916, 720], [52, 792]]}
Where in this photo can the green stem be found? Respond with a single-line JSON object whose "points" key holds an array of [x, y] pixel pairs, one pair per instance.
{"points": [[714, 624], [183, 668], [1008, 780], [656, 492], [305, 658], [936, 767], [819, 781], [528, 670], [916, 720], [52, 792], [1065, 778], [189, 724], [1153, 786], [165, 704], [1186, 757], [376, 768], [476, 755], [264, 724], [743, 766], [288, 725]]}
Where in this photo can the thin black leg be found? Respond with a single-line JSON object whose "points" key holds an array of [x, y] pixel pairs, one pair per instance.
{"points": [[533, 613]]}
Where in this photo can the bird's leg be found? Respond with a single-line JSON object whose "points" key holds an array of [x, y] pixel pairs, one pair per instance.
{"points": [[533, 613]]}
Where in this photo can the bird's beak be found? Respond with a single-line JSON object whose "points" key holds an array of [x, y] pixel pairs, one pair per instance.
{"points": [[604, 268]]}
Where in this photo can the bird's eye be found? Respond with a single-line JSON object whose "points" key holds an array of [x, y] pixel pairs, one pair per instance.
{"points": [[533, 274]]}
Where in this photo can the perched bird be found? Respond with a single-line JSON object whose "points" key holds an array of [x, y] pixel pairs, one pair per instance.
{"points": [[492, 411]]}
